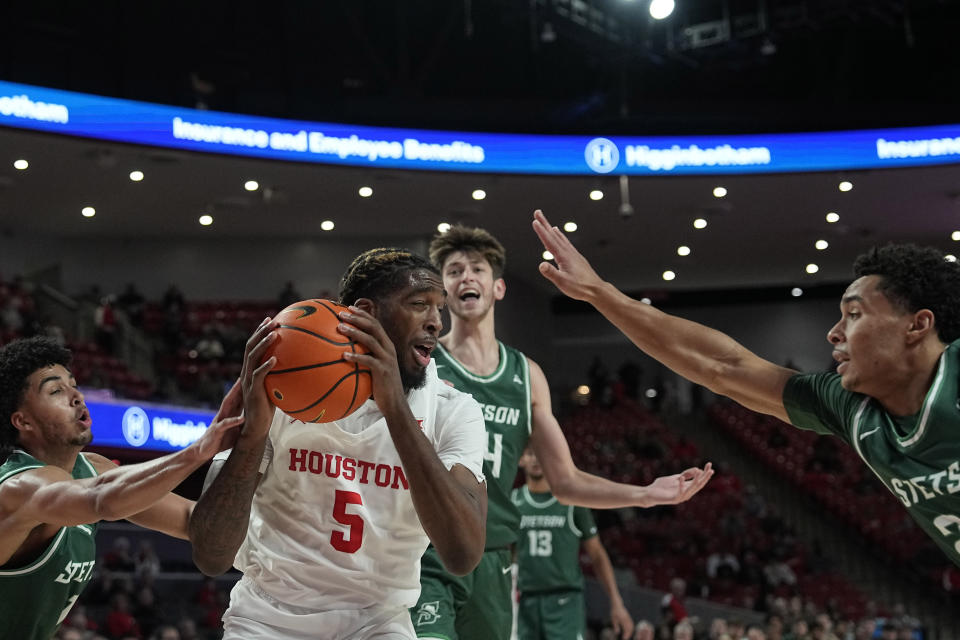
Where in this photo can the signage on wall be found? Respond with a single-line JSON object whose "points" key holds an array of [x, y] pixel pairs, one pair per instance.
{"points": [[127, 121]]}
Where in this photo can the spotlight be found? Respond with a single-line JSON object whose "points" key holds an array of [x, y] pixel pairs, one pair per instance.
{"points": [[661, 9]]}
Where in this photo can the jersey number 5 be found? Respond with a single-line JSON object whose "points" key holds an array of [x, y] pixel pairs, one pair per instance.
{"points": [[341, 542]]}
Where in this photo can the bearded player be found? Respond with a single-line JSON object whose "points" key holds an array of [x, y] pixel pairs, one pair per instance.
{"points": [[327, 522]]}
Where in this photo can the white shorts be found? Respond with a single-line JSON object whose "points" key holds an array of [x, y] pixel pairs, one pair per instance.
{"points": [[255, 615]]}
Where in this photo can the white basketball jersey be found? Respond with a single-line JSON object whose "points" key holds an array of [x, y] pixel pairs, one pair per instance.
{"points": [[332, 525]]}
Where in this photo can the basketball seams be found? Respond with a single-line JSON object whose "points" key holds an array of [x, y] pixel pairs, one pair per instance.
{"points": [[318, 377]]}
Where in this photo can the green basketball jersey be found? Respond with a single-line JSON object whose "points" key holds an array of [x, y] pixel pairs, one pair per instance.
{"points": [[548, 551], [504, 397], [36, 597], [917, 457]]}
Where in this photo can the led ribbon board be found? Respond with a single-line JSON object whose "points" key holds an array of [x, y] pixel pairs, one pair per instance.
{"points": [[146, 426], [88, 116]]}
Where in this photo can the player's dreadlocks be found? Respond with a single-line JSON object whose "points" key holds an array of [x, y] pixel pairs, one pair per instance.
{"points": [[915, 278], [18, 360], [377, 272], [468, 240]]}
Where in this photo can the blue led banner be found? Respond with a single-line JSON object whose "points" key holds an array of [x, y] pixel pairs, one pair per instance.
{"points": [[88, 116], [146, 426]]}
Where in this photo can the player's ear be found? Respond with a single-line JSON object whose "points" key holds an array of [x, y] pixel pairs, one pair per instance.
{"points": [[366, 304], [499, 289], [19, 420], [921, 325]]}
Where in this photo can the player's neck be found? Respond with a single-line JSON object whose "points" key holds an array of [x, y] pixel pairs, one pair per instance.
{"points": [[62, 457], [538, 485], [474, 343], [908, 388]]}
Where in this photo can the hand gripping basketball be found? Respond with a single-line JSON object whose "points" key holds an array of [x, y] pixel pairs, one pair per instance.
{"points": [[311, 381]]}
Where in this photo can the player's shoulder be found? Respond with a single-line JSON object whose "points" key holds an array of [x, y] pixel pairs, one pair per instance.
{"points": [[448, 397]]}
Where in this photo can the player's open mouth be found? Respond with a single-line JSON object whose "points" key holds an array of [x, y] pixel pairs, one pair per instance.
{"points": [[470, 295], [842, 361], [422, 353], [84, 417]]}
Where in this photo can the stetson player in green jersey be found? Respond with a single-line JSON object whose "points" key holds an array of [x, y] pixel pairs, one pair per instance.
{"points": [[893, 398], [52, 496], [515, 398], [548, 554]]}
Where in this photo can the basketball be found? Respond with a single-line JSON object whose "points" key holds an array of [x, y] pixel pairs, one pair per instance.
{"points": [[311, 381]]}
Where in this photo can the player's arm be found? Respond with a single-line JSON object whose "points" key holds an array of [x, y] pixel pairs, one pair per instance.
{"points": [[451, 504], [50, 495], [700, 354], [572, 486], [218, 523], [619, 616]]}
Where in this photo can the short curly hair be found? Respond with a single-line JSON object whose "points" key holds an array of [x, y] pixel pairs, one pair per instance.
{"points": [[18, 360], [468, 240], [376, 273], [915, 278]]}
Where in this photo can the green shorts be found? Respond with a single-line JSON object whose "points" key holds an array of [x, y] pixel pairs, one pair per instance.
{"points": [[475, 606], [559, 615]]}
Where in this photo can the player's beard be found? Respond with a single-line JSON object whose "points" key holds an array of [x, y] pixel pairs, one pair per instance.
{"points": [[413, 380]]}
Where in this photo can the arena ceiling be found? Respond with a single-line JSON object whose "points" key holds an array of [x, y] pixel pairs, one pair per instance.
{"points": [[544, 66]]}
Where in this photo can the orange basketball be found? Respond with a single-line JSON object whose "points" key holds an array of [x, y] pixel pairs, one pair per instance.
{"points": [[311, 381]]}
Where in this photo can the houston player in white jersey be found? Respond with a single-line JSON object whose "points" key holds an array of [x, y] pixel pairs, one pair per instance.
{"points": [[328, 522]]}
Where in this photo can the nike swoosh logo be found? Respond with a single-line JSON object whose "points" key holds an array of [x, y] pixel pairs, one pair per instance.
{"points": [[867, 433], [506, 570], [307, 311]]}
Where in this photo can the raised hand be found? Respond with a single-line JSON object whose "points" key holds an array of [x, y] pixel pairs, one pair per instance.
{"points": [[573, 275], [679, 487], [362, 327], [257, 409]]}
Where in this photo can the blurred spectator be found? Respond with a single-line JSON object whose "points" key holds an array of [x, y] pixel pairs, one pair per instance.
{"points": [[643, 631], [799, 630], [756, 632], [105, 324], [132, 303], [188, 629], [672, 606], [119, 558], [165, 632], [210, 347], [683, 631], [288, 295], [120, 622], [146, 562], [146, 611]]}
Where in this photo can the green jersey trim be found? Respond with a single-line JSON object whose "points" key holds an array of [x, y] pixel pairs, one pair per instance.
{"points": [[526, 381], [36, 564], [533, 502], [927, 405], [472, 376]]}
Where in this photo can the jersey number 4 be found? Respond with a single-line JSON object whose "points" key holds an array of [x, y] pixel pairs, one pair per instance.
{"points": [[347, 543]]}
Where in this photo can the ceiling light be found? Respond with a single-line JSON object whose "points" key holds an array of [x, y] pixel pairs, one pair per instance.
{"points": [[821, 245], [669, 275], [646, 300], [796, 292], [479, 194], [569, 227], [650, 393], [365, 192], [596, 194], [846, 185], [950, 257], [955, 236], [832, 217], [327, 225], [20, 164], [206, 220], [443, 227], [88, 212], [812, 268], [683, 250], [660, 9], [547, 255], [251, 185], [136, 176], [699, 223], [719, 192], [583, 390]]}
